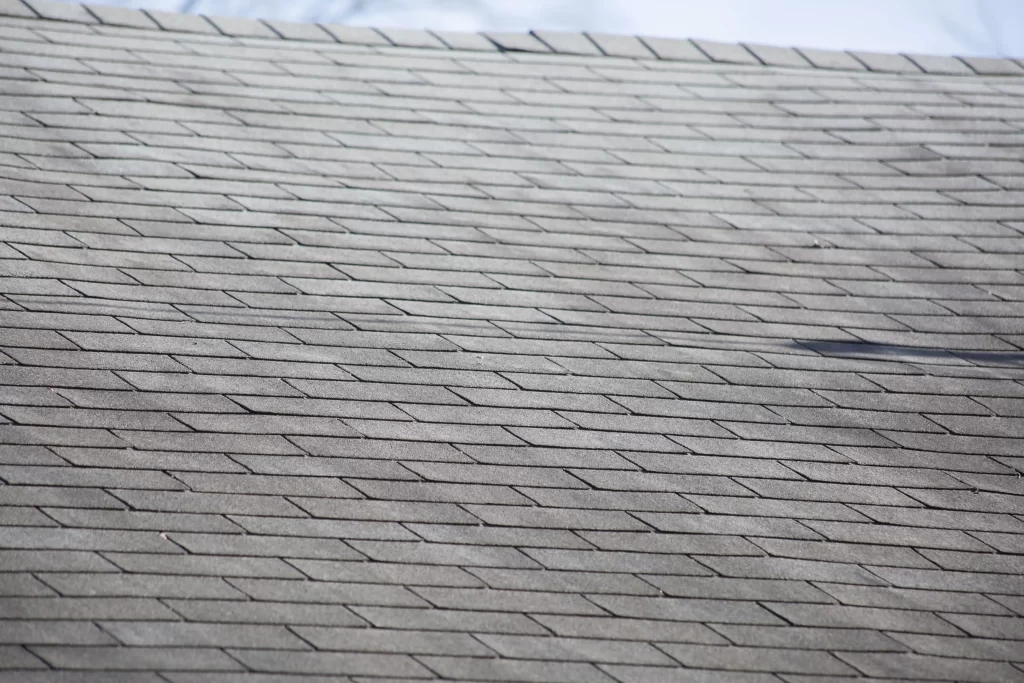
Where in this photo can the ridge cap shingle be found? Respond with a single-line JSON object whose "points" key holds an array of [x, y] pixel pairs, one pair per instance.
{"points": [[569, 43]]}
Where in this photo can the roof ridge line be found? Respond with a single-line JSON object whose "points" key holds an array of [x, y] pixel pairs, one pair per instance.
{"points": [[538, 41]]}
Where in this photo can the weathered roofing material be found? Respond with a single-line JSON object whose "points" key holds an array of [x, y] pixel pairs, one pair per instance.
{"points": [[340, 354]]}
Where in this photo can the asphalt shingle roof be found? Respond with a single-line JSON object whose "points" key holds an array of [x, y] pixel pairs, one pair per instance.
{"points": [[335, 354]]}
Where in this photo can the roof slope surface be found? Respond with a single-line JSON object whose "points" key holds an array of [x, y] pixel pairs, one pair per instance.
{"points": [[324, 360]]}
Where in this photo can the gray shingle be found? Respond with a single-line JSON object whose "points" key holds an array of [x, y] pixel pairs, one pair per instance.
{"points": [[61, 11], [465, 41], [620, 46], [119, 16], [674, 49], [518, 42], [888, 664], [831, 59], [726, 52], [357, 35], [16, 8], [935, 64], [449, 620], [516, 669], [264, 612], [139, 658], [568, 43], [165, 634], [173, 21], [142, 586], [540, 356]]}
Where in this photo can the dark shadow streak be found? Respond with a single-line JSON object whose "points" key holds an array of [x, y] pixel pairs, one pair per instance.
{"points": [[910, 354]]}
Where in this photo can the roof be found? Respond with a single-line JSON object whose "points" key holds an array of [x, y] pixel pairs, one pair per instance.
{"points": [[336, 354]]}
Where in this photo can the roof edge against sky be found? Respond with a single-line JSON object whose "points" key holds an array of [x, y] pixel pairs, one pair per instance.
{"points": [[667, 49]]}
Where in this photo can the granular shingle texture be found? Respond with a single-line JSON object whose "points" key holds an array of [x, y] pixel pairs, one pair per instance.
{"points": [[329, 354]]}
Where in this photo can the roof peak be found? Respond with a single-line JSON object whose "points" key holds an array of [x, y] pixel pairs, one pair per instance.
{"points": [[550, 42]]}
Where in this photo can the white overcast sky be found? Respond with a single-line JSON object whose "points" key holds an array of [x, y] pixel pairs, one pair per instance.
{"points": [[963, 27]]}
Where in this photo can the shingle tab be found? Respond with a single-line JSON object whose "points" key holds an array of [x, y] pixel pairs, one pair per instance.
{"points": [[778, 56], [733, 53], [567, 43], [61, 11], [935, 64], [831, 59], [121, 16], [465, 41], [16, 8], [674, 49], [886, 63], [356, 35], [993, 67], [517, 42], [290, 30], [410, 38], [621, 46]]}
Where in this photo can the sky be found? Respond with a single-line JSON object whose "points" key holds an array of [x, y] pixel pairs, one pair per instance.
{"points": [[992, 28]]}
